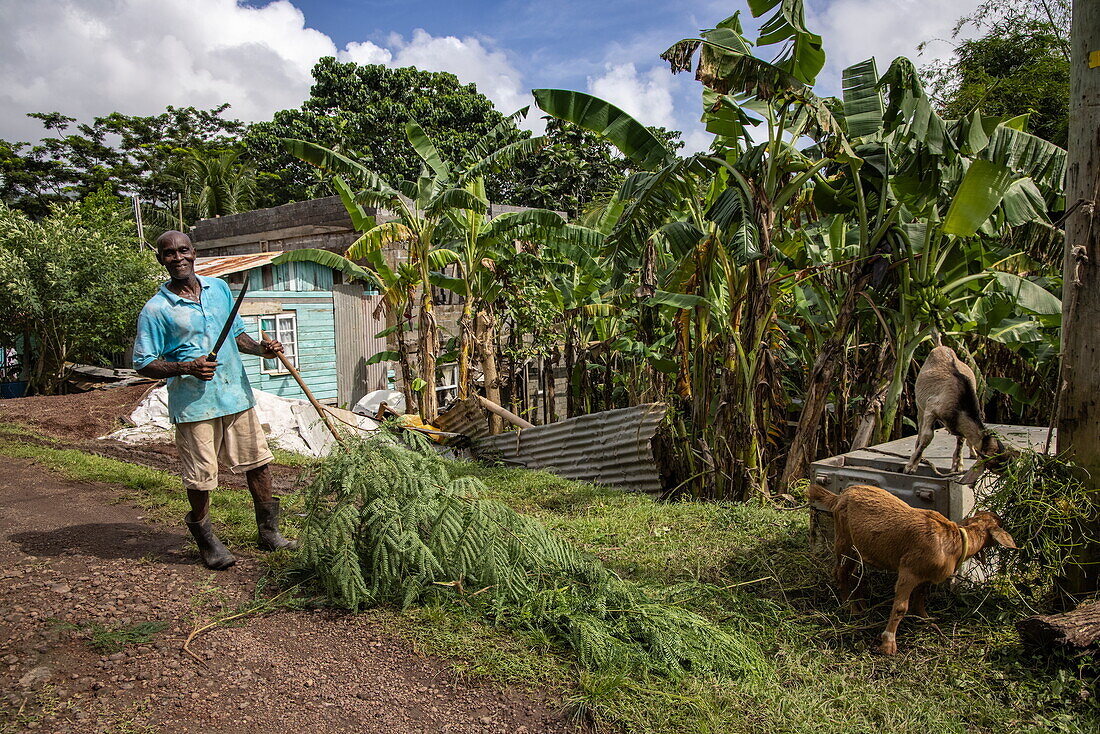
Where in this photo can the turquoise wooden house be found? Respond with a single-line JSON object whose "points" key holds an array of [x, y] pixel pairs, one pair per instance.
{"points": [[327, 326]]}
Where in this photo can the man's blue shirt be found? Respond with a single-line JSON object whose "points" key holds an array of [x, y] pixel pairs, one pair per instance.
{"points": [[176, 329]]}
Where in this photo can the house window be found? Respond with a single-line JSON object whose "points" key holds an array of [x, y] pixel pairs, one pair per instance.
{"points": [[283, 327]]}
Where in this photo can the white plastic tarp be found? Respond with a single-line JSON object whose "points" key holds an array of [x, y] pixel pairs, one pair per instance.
{"points": [[290, 423]]}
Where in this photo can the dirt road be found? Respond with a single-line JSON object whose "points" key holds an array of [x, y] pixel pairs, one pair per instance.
{"points": [[73, 564]]}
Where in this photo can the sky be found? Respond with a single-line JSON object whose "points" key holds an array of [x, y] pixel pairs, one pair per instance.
{"points": [[93, 57]]}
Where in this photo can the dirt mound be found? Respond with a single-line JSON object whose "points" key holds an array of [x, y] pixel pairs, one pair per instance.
{"points": [[82, 415]]}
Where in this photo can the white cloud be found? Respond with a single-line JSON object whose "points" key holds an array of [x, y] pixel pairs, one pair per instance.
{"points": [[696, 140], [92, 57], [853, 30], [645, 96], [470, 61], [365, 52]]}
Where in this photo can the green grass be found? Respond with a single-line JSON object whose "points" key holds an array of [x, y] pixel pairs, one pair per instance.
{"points": [[291, 458], [107, 640], [750, 569], [747, 568], [159, 493]]}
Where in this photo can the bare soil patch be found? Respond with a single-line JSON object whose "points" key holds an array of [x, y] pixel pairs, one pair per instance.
{"points": [[80, 419], [73, 563], [85, 415]]}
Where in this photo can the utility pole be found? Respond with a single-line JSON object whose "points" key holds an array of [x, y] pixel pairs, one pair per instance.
{"points": [[137, 220], [1079, 403]]}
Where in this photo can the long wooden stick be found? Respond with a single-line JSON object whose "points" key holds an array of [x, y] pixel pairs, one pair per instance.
{"points": [[504, 413], [302, 384]]}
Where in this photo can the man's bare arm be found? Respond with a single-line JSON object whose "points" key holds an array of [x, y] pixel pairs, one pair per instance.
{"points": [[159, 369], [266, 348], [202, 368]]}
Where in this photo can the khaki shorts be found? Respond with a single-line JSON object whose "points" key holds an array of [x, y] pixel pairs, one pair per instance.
{"points": [[237, 439]]}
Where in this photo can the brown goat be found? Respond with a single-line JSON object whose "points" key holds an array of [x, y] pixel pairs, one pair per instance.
{"points": [[923, 546], [946, 391]]}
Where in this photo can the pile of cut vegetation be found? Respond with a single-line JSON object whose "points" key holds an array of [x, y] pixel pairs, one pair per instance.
{"points": [[387, 524], [1051, 513]]}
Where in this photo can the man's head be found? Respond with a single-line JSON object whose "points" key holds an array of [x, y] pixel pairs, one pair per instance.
{"points": [[176, 253]]}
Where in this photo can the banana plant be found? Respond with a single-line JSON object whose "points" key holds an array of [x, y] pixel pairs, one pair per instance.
{"points": [[931, 193], [699, 232], [424, 212]]}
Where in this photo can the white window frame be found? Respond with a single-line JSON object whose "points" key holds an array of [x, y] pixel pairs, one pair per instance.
{"points": [[286, 324]]}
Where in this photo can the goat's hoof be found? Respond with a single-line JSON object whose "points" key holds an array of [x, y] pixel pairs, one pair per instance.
{"points": [[889, 646]]}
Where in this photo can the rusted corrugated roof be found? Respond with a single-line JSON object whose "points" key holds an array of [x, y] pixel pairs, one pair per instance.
{"points": [[214, 267], [613, 448], [466, 417]]}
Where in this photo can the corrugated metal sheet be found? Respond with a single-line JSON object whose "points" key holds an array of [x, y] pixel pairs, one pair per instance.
{"points": [[613, 448], [466, 417], [214, 267], [356, 342]]}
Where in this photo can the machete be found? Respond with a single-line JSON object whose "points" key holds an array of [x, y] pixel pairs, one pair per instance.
{"points": [[213, 356]]}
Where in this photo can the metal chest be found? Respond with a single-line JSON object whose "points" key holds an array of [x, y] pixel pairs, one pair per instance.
{"points": [[930, 488]]}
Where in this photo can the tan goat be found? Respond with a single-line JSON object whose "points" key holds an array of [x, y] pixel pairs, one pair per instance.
{"points": [[923, 546], [946, 391]]}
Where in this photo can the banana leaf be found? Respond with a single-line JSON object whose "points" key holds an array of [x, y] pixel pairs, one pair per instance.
{"points": [[631, 137], [328, 260], [980, 192], [863, 106]]}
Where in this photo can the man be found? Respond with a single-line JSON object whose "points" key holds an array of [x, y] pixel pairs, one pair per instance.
{"points": [[210, 402]]}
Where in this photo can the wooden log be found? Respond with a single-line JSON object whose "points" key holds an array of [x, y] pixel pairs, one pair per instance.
{"points": [[1076, 629], [504, 413]]}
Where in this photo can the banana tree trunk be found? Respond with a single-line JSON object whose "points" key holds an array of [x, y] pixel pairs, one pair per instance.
{"points": [[683, 350], [465, 346], [906, 350], [549, 365], [429, 404], [804, 445], [608, 378], [487, 349], [570, 378], [514, 382], [412, 399], [872, 408]]}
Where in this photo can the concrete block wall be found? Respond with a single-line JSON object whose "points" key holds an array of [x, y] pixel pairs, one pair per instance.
{"points": [[320, 223]]}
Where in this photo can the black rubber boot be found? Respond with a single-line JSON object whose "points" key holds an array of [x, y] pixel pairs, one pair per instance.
{"points": [[267, 522], [214, 554]]}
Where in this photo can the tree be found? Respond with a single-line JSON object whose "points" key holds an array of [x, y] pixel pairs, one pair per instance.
{"points": [[1019, 65], [133, 154], [362, 111], [71, 285], [730, 272], [214, 183], [576, 168]]}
